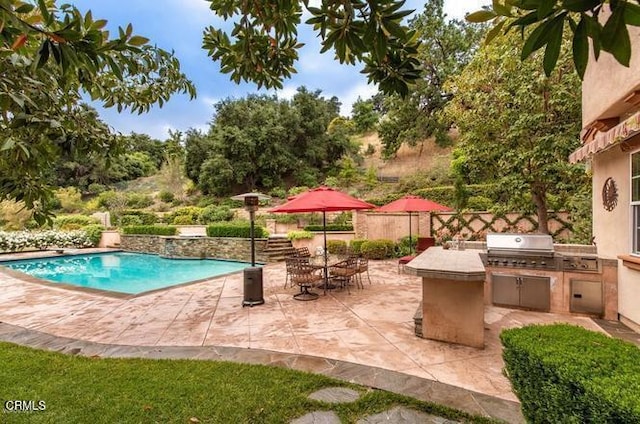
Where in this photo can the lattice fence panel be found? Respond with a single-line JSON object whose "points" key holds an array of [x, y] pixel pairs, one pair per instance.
{"points": [[476, 225]]}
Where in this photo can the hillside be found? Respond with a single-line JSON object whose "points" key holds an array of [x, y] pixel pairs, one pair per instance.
{"points": [[409, 160], [424, 158]]}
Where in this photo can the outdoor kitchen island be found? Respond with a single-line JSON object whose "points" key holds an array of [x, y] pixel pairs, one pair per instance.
{"points": [[452, 295]]}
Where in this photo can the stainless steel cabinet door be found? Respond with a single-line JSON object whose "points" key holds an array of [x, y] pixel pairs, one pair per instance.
{"points": [[505, 290], [535, 292]]}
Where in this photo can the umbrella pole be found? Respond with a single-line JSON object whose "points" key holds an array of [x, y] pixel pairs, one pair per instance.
{"points": [[410, 245], [326, 270]]}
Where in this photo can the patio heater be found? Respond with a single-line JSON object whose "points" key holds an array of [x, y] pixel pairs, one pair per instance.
{"points": [[253, 293]]}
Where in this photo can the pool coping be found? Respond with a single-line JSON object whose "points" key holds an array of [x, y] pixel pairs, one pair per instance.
{"points": [[107, 293]]}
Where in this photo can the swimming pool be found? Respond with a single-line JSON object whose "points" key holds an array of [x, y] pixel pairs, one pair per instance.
{"points": [[123, 272]]}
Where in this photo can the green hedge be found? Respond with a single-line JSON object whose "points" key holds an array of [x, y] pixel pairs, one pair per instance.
{"points": [[94, 233], [146, 218], [73, 222], [355, 246], [299, 235], [337, 247], [158, 230], [566, 374], [378, 249], [242, 230], [330, 227]]}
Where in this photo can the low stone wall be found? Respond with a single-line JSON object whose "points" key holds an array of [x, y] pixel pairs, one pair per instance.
{"points": [[142, 243], [238, 249]]}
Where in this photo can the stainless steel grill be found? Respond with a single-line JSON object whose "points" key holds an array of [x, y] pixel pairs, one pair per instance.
{"points": [[521, 251]]}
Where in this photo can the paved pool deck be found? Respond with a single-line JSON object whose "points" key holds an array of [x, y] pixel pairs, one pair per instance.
{"points": [[366, 337]]}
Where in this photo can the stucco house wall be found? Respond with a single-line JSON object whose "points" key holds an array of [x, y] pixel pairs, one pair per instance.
{"points": [[605, 88], [606, 83]]}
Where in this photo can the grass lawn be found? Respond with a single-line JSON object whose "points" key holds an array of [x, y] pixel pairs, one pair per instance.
{"points": [[104, 390]]}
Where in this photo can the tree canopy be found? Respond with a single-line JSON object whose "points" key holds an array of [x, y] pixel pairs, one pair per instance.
{"points": [[49, 57], [446, 47], [518, 126], [261, 142], [550, 21], [263, 47]]}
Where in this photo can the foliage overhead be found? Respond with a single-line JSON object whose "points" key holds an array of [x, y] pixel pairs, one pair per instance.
{"points": [[263, 46], [549, 22], [49, 56], [517, 126], [446, 47]]}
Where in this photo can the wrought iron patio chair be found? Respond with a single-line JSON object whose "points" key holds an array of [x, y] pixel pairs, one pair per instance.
{"points": [[305, 276], [343, 272], [362, 267]]}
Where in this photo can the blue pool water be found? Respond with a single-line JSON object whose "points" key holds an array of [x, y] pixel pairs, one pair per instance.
{"points": [[123, 272]]}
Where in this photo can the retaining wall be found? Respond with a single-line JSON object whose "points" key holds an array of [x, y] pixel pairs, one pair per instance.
{"points": [[238, 249]]}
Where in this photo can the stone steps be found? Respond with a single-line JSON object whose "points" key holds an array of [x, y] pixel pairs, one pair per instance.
{"points": [[277, 248]]}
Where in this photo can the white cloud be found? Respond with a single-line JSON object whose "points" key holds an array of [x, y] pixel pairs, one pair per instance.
{"points": [[287, 92], [208, 100], [457, 9], [362, 91]]}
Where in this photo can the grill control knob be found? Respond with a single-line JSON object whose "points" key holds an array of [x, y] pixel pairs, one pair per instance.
{"points": [[533, 263], [543, 263]]}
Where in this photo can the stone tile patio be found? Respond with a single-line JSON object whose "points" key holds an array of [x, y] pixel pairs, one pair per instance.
{"points": [[371, 328]]}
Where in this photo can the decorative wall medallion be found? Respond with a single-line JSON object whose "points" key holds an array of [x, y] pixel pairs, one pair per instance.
{"points": [[609, 194]]}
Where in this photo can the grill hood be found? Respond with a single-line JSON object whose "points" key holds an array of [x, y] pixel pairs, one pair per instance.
{"points": [[541, 244]]}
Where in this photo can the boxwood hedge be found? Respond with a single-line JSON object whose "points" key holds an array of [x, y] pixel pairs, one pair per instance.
{"points": [[330, 227], [355, 246], [378, 249], [337, 247], [566, 374], [157, 230], [241, 230]]}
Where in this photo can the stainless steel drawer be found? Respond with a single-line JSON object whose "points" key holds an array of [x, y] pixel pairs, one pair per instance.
{"points": [[586, 297]]}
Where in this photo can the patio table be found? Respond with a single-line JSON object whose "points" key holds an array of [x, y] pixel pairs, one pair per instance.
{"points": [[318, 262]]}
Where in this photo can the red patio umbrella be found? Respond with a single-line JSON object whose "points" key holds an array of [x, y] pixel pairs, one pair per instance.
{"points": [[322, 199], [410, 204]]}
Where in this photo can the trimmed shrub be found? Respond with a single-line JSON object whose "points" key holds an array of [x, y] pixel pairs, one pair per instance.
{"points": [[278, 192], [299, 235], [166, 196], [94, 233], [95, 188], [378, 249], [139, 201], [192, 212], [158, 230], [330, 227], [73, 222], [337, 247], [355, 246], [129, 220], [564, 373], [404, 248], [183, 220], [214, 213], [236, 229], [146, 218]]}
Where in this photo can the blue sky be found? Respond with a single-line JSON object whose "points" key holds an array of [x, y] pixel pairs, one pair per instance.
{"points": [[178, 24]]}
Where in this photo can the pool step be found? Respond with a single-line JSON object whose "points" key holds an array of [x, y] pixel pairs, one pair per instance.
{"points": [[277, 248]]}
